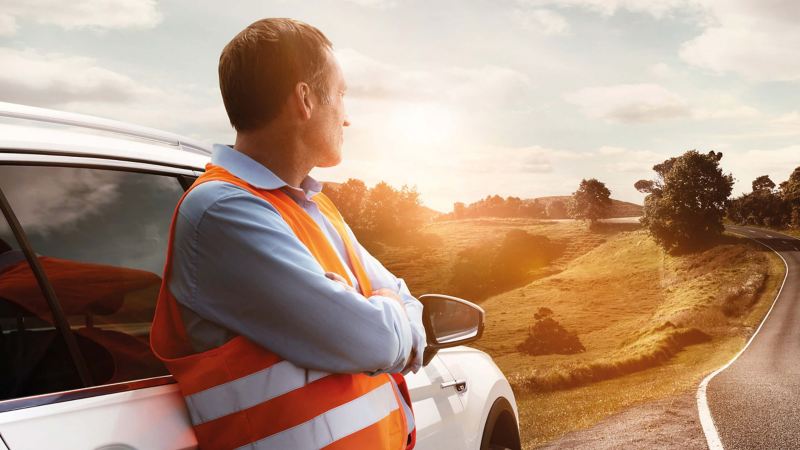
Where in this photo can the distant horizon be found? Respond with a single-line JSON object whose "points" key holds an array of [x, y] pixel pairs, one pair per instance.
{"points": [[422, 198]]}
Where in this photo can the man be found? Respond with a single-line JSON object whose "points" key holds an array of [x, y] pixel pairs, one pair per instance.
{"points": [[281, 330]]}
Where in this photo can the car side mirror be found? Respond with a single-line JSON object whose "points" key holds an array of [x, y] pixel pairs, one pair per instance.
{"points": [[449, 321]]}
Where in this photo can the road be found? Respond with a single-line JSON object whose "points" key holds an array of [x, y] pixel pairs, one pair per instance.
{"points": [[755, 401]]}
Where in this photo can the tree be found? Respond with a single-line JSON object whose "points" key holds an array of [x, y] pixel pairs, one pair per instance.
{"points": [[686, 201], [763, 206], [459, 211], [790, 192], [532, 208], [557, 210], [763, 184], [591, 201], [349, 198]]}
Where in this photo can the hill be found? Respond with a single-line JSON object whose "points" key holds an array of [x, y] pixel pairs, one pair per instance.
{"points": [[652, 324], [618, 207]]}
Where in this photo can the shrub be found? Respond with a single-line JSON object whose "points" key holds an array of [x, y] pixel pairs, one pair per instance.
{"points": [[547, 337], [491, 268]]}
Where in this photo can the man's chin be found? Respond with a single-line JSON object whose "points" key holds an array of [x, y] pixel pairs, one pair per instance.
{"points": [[332, 161]]}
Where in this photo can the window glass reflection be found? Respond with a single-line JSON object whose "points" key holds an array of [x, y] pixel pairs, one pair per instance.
{"points": [[33, 355], [100, 236]]}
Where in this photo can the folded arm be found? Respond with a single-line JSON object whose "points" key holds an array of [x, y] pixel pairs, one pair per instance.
{"points": [[380, 277], [254, 277]]}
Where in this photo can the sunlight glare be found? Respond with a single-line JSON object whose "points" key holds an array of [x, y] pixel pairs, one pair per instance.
{"points": [[422, 124]]}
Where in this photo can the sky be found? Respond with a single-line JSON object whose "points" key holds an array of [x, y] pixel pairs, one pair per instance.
{"points": [[461, 99]]}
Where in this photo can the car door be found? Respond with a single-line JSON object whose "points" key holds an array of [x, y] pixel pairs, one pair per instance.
{"points": [[81, 250], [437, 407]]}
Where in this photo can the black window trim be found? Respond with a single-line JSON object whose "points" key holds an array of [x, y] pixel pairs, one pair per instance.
{"points": [[89, 390]]}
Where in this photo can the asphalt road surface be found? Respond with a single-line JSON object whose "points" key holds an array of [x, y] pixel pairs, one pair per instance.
{"points": [[755, 402]]}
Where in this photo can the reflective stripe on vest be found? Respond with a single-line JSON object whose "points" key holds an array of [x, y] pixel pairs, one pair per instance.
{"points": [[249, 391], [241, 395], [334, 424]]}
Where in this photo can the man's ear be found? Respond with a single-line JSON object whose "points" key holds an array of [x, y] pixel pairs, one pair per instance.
{"points": [[302, 100]]}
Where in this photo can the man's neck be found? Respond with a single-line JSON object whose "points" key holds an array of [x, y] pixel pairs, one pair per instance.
{"points": [[286, 158]]}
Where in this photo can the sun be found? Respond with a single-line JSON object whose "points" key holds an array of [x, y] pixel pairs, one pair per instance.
{"points": [[422, 124]]}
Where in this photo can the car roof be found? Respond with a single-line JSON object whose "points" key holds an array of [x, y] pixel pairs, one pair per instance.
{"points": [[26, 129]]}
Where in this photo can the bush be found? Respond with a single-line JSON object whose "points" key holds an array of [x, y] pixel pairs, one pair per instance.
{"points": [[547, 337], [492, 268]]}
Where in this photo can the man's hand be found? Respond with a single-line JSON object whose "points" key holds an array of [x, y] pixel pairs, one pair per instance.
{"points": [[338, 278], [412, 362], [383, 292]]}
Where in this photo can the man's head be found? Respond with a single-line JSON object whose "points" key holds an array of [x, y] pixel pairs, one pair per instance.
{"points": [[283, 70]]}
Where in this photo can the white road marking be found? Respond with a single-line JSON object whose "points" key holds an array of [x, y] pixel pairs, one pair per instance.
{"points": [[769, 235], [710, 430]]}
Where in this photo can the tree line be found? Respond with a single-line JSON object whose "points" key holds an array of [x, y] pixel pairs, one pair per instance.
{"points": [[684, 209], [379, 213], [497, 206], [769, 205]]}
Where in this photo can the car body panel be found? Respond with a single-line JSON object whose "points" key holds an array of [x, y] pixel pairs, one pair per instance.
{"points": [[484, 384], [29, 139], [150, 418]]}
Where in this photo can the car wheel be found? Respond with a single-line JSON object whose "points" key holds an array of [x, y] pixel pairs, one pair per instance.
{"points": [[501, 431]]}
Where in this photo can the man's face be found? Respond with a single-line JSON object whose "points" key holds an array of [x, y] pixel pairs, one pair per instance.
{"points": [[329, 117]]}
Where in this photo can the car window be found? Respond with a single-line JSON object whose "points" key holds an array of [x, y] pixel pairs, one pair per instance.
{"points": [[33, 354], [100, 236]]}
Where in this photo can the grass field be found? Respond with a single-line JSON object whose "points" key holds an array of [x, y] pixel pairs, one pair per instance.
{"points": [[652, 324]]}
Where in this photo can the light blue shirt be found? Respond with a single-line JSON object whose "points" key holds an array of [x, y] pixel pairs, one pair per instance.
{"points": [[238, 269]]}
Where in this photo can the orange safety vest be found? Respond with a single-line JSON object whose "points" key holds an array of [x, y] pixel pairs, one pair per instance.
{"points": [[242, 395]]}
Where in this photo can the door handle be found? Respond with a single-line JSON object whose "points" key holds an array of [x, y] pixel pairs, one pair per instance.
{"points": [[460, 385]]}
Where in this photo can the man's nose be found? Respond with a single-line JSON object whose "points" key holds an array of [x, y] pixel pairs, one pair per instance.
{"points": [[346, 122]]}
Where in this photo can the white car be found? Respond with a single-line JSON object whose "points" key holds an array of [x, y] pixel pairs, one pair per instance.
{"points": [[86, 205]]}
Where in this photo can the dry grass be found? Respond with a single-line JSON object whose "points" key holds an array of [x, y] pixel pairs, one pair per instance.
{"points": [[428, 268], [546, 416], [652, 324]]}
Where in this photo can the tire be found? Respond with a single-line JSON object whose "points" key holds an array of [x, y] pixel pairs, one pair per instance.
{"points": [[501, 431]]}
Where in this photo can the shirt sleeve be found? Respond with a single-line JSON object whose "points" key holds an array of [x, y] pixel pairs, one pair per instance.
{"points": [[380, 277], [253, 276]]}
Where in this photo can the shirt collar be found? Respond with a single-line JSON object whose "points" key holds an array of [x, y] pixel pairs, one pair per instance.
{"points": [[255, 173]]}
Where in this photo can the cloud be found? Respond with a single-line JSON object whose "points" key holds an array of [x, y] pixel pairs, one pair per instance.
{"points": [[369, 78], [52, 79], [655, 8], [542, 21], [757, 40], [630, 103], [379, 4], [81, 84], [76, 14], [622, 159], [8, 25], [499, 160], [61, 199], [747, 165], [734, 112]]}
